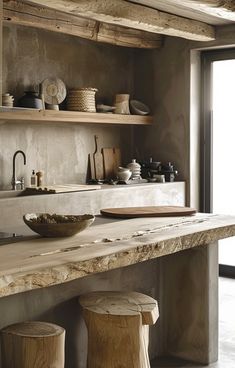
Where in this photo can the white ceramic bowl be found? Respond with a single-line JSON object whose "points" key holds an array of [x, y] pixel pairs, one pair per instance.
{"points": [[123, 174], [54, 226], [139, 108]]}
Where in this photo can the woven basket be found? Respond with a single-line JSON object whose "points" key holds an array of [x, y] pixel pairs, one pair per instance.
{"points": [[82, 99]]}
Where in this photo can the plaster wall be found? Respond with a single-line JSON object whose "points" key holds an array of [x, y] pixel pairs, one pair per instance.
{"points": [[168, 139], [175, 136], [60, 150]]}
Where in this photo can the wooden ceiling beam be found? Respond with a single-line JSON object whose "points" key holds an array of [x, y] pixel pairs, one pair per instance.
{"points": [[223, 9], [19, 12], [126, 14]]}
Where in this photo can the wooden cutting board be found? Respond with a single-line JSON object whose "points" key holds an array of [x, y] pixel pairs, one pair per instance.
{"points": [[112, 160], [150, 211], [53, 189], [108, 155], [98, 162], [117, 158], [92, 166]]}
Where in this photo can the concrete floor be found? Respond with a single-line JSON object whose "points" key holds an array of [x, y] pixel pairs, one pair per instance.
{"points": [[226, 332]]}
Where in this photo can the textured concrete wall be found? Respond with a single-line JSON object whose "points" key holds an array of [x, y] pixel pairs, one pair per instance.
{"points": [[61, 150], [171, 82], [168, 138]]}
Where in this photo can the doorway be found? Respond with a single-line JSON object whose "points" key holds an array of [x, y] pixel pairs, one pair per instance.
{"points": [[219, 144]]}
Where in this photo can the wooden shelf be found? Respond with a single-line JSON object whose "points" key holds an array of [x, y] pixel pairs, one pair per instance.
{"points": [[18, 115]]}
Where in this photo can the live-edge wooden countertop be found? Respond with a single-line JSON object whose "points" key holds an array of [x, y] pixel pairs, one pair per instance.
{"points": [[108, 244]]}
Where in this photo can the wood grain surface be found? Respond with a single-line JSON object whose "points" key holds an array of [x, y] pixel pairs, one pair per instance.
{"points": [[148, 211], [33, 344], [108, 154], [53, 189], [107, 244], [117, 158], [98, 161], [117, 325]]}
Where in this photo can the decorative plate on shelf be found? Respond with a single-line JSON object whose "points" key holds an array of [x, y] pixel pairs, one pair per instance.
{"points": [[54, 91]]}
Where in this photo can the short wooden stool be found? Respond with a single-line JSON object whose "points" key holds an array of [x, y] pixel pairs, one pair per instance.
{"points": [[118, 326], [33, 345]]}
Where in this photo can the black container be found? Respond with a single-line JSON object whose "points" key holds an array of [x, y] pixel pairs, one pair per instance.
{"points": [[149, 168], [169, 172], [30, 100]]}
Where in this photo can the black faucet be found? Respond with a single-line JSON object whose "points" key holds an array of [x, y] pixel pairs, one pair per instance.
{"points": [[14, 181]]}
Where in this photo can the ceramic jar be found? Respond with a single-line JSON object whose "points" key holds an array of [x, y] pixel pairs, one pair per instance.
{"points": [[135, 168], [7, 100], [123, 174], [122, 104], [31, 100]]}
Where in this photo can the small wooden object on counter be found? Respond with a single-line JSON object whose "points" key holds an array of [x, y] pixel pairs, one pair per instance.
{"points": [[148, 211], [65, 188], [33, 344], [98, 162], [118, 328], [39, 175]]}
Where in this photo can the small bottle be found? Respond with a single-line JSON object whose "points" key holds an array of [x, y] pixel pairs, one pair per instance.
{"points": [[33, 179]]}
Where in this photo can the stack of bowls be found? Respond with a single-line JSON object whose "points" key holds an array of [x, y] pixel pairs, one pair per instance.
{"points": [[135, 168], [7, 100], [82, 99]]}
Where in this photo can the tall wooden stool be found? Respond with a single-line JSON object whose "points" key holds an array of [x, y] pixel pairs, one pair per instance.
{"points": [[118, 326], [33, 345]]}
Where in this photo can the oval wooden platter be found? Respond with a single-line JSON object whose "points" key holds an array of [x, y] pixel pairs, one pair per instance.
{"points": [[148, 211]]}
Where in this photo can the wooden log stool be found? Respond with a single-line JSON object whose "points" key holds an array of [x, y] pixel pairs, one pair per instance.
{"points": [[33, 345], [118, 326]]}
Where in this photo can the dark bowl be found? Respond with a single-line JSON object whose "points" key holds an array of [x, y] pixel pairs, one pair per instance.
{"points": [[139, 108]]}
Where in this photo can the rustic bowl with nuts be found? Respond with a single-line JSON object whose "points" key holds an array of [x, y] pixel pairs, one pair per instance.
{"points": [[55, 226]]}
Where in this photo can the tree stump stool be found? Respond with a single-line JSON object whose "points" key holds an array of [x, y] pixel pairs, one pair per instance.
{"points": [[33, 345], [118, 328]]}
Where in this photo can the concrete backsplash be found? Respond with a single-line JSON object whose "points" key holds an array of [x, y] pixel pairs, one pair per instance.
{"points": [[60, 150]]}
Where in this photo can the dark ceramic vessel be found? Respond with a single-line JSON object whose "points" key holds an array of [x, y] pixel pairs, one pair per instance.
{"points": [[30, 100]]}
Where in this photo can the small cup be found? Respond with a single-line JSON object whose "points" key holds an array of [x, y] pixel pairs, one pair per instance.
{"points": [[122, 104]]}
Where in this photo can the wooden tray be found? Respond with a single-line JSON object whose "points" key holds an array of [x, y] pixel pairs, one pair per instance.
{"points": [[53, 189], [150, 211]]}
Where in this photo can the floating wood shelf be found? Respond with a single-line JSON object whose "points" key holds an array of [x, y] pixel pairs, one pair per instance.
{"points": [[17, 115]]}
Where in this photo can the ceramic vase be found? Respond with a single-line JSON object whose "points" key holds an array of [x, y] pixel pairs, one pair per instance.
{"points": [[31, 100]]}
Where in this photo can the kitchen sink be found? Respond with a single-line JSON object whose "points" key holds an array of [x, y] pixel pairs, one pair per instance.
{"points": [[10, 193], [6, 238]]}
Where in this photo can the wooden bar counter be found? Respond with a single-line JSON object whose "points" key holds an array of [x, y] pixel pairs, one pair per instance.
{"points": [[188, 273]]}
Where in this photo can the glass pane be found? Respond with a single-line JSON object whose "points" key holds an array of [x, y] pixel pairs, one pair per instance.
{"points": [[224, 149]]}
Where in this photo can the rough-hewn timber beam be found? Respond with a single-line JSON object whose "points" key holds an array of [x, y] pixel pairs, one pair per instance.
{"points": [[135, 16], [19, 12], [219, 8], [1, 35]]}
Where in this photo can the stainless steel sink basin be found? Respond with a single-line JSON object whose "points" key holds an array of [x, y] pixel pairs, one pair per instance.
{"points": [[6, 238], [10, 193]]}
